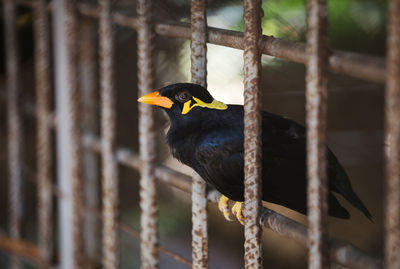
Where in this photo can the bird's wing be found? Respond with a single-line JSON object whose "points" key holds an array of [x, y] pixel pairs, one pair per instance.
{"points": [[221, 156], [287, 147]]}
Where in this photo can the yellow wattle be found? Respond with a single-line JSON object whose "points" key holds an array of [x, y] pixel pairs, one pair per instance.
{"points": [[213, 105]]}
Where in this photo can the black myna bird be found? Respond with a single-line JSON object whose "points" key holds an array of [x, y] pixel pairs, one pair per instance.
{"points": [[207, 135]]}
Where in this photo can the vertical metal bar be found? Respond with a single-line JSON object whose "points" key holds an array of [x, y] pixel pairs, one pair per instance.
{"points": [[392, 136], [71, 21], [252, 133], [109, 163], [199, 76], [199, 223], [68, 133], [148, 203], [14, 123], [88, 87], [316, 97], [43, 110]]}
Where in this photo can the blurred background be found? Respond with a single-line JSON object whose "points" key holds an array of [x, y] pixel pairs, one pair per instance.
{"points": [[355, 124]]}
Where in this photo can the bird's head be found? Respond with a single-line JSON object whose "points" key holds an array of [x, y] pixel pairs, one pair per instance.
{"points": [[181, 98]]}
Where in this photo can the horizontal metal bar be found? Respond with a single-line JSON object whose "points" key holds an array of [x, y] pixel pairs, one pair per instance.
{"points": [[356, 65], [339, 251], [30, 252], [21, 248], [131, 159]]}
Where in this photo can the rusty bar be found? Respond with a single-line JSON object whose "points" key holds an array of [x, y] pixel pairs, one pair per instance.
{"points": [[148, 203], [357, 65], [316, 98], [352, 64], [252, 133], [392, 140], [198, 47], [339, 252], [88, 85], [43, 110], [109, 163], [198, 42], [14, 125], [199, 223], [68, 132], [71, 25], [23, 249]]}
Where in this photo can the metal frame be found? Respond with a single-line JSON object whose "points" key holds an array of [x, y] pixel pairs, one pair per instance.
{"points": [[71, 143]]}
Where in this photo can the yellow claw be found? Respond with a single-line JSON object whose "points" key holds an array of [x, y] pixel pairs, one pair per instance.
{"points": [[237, 210], [223, 206]]}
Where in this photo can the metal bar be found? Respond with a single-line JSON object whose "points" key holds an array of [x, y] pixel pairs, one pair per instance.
{"points": [[68, 135], [43, 111], [340, 252], [131, 159], [14, 125], [356, 65], [71, 24], [252, 133], [88, 85], [352, 64], [316, 103], [110, 172], [198, 47], [23, 249], [199, 223], [392, 139], [148, 203]]}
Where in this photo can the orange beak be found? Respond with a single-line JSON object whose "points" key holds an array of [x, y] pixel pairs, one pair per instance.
{"points": [[155, 98]]}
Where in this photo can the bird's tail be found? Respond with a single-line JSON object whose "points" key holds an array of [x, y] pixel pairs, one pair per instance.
{"points": [[342, 185]]}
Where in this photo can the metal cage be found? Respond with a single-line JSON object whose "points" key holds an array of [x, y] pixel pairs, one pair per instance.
{"points": [[73, 144]]}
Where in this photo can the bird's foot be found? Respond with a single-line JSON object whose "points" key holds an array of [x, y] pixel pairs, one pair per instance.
{"points": [[223, 206], [237, 210]]}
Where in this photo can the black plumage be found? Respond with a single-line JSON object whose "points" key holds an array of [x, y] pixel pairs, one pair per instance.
{"points": [[210, 141]]}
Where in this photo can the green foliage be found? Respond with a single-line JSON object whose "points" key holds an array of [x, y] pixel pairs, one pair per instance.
{"points": [[357, 25]]}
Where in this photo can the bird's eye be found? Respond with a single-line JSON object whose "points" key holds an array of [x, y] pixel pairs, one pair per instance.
{"points": [[183, 96]]}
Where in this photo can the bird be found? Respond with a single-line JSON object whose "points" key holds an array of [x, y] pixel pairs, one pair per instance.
{"points": [[207, 135]]}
